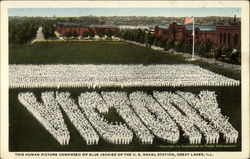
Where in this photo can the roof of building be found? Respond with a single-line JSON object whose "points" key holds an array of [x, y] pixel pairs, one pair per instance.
{"points": [[190, 27], [201, 27], [163, 26]]}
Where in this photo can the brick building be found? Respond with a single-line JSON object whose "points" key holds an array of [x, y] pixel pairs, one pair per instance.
{"points": [[79, 29], [220, 35]]}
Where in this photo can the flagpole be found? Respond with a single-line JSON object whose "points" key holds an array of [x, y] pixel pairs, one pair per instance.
{"points": [[193, 40]]}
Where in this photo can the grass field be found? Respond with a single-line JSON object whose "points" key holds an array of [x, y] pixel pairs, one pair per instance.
{"points": [[27, 134], [86, 52]]}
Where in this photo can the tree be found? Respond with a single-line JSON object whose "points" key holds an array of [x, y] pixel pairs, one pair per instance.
{"points": [[139, 35], [204, 48], [100, 32], [142, 35], [91, 33], [109, 33], [170, 44], [23, 29], [188, 46], [68, 34], [85, 34], [155, 43], [217, 52], [179, 46], [74, 34], [148, 39], [161, 42], [48, 29], [232, 55]]}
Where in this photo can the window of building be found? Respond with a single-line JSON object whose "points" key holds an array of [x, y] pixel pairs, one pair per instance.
{"points": [[224, 38], [174, 34], [220, 37], [229, 38], [235, 40]]}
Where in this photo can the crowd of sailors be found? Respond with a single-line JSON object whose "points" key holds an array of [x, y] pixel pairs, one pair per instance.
{"points": [[116, 133], [207, 106], [190, 131], [120, 102], [47, 113], [160, 124], [161, 114], [210, 134], [77, 118], [96, 76]]}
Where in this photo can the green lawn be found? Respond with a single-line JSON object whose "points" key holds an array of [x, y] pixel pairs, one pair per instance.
{"points": [[27, 134], [86, 52]]}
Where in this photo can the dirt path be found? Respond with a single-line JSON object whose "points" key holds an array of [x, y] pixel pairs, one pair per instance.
{"points": [[39, 35]]}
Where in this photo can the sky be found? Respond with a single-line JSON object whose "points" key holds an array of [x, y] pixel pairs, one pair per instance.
{"points": [[167, 12]]}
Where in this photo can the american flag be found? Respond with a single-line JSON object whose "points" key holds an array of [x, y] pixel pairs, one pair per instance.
{"points": [[189, 20]]}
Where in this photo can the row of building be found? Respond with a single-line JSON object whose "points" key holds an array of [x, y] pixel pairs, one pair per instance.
{"points": [[80, 29], [220, 35]]}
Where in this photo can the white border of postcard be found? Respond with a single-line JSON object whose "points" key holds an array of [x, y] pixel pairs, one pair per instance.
{"points": [[244, 5]]}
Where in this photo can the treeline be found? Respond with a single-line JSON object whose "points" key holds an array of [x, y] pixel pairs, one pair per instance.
{"points": [[24, 29], [84, 20], [144, 20], [137, 35], [204, 48]]}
